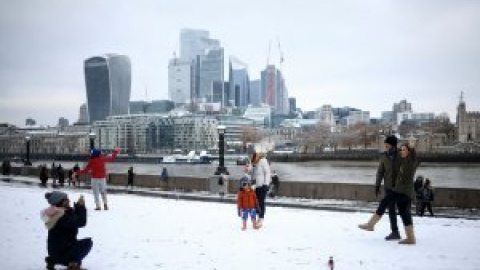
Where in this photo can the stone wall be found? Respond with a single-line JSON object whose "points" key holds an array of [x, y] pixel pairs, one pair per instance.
{"points": [[444, 197]]}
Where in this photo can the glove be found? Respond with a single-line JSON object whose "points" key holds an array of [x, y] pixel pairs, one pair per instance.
{"points": [[377, 191], [239, 212]]}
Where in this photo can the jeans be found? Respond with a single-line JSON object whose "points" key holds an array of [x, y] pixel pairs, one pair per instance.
{"points": [[99, 185], [389, 202], [261, 193]]}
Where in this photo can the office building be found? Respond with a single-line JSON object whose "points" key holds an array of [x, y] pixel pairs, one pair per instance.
{"points": [[108, 84]]}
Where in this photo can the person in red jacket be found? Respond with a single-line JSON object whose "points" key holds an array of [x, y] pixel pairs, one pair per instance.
{"points": [[247, 204], [96, 166]]}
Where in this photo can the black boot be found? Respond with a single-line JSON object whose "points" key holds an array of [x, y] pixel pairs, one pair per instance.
{"points": [[395, 235], [50, 263]]}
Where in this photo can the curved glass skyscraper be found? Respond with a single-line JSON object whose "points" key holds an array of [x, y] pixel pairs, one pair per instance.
{"points": [[108, 83]]}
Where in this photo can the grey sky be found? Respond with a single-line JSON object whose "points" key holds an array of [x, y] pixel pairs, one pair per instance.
{"points": [[365, 54]]}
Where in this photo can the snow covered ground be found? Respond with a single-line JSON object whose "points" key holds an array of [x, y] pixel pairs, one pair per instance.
{"points": [[154, 233]]}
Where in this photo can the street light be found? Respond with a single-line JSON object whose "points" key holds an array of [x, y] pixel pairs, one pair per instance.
{"points": [[221, 169], [27, 161], [92, 140]]}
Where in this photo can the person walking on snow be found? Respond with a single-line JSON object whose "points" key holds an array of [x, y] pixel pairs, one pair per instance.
{"points": [[427, 198], [96, 165], [63, 222], [403, 192], [247, 205], [261, 177], [387, 171], [130, 177]]}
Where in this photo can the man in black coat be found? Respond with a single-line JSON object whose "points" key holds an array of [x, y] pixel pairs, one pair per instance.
{"points": [[63, 222]]}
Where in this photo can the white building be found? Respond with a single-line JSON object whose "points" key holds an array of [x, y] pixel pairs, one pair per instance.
{"points": [[417, 117], [325, 115], [180, 80], [262, 115], [356, 117]]}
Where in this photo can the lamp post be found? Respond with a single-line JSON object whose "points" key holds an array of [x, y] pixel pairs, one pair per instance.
{"points": [[92, 140], [27, 161], [221, 169]]}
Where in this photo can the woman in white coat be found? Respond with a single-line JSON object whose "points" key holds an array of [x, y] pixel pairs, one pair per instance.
{"points": [[260, 171]]}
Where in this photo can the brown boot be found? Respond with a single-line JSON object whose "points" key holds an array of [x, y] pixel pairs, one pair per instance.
{"points": [[370, 225], [410, 236], [255, 225]]}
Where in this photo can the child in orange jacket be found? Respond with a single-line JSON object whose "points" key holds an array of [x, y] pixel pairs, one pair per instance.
{"points": [[247, 205]]}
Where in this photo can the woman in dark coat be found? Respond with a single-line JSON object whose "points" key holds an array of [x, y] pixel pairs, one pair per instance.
{"points": [[404, 190], [63, 222], [44, 175]]}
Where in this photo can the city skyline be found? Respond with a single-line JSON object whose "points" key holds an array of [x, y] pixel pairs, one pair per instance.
{"points": [[367, 54]]}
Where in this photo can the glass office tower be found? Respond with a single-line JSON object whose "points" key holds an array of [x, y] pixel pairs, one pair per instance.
{"points": [[108, 84]]}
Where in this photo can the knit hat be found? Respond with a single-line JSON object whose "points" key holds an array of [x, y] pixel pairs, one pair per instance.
{"points": [[392, 140], [95, 152], [55, 197]]}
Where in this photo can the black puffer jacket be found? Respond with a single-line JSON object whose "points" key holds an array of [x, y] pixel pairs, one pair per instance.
{"points": [[62, 237]]}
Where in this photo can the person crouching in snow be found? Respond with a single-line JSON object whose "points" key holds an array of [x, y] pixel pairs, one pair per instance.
{"points": [[247, 205], [96, 165], [63, 222]]}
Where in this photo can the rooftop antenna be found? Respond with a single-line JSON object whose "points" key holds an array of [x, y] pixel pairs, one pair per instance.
{"points": [[461, 97], [268, 55]]}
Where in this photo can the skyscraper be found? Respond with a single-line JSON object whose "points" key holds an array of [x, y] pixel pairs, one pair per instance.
{"points": [[108, 83], [239, 83], [274, 91], [180, 80]]}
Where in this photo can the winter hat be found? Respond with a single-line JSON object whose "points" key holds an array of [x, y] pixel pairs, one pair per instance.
{"points": [[392, 140], [55, 197], [95, 152]]}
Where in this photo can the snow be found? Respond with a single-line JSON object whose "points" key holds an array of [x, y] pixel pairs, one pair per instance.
{"points": [[155, 233]]}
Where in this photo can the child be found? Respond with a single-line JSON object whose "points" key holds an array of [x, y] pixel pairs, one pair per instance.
{"points": [[247, 204]]}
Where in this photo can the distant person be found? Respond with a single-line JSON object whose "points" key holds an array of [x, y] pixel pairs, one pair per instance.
{"points": [[63, 222], [387, 171], [164, 177], [418, 188], [70, 178], [274, 185], [331, 263], [247, 205], [54, 174], [260, 171], [43, 175], [130, 177], [75, 179], [96, 166], [61, 175], [6, 167], [428, 197]]}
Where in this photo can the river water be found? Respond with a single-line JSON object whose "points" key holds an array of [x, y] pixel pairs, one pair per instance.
{"points": [[464, 175]]}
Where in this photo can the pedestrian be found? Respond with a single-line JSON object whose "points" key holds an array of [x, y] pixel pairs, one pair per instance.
{"points": [[274, 185], [331, 263], [130, 177], [61, 175], [75, 178], [96, 166], [63, 222], [427, 198], [247, 205], [6, 167], [387, 171], [54, 174], [418, 188], [43, 175], [260, 172], [70, 178], [164, 177], [404, 190]]}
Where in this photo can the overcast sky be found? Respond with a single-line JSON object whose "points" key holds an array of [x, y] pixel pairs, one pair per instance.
{"points": [[365, 54]]}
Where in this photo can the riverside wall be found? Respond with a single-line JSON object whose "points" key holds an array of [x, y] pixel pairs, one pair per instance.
{"points": [[444, 197]]}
